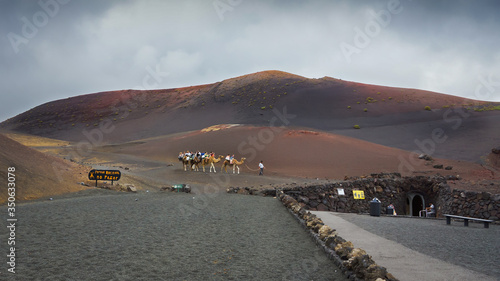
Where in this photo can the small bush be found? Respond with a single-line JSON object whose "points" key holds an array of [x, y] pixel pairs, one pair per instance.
{"points": [[263, 108], [365, 110], [349, 107], [427, 108], [370, 100], [357, 127]]}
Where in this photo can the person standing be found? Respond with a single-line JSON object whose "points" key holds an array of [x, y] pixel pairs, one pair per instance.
{"points": [[261, 166]]}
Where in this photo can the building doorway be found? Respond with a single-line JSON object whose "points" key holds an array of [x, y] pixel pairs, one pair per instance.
{"points": [[414, 204]]}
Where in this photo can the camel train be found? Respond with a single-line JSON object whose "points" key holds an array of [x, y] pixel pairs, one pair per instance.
{"points": [[193, 160]]}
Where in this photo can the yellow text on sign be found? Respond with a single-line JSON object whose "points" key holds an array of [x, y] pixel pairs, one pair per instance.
{"points": [[358, 194]]}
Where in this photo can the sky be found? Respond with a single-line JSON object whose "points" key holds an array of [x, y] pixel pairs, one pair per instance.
{"points": [[55, 49]]}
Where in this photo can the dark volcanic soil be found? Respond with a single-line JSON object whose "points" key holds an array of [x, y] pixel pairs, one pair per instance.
{"points": [[101, 235]]}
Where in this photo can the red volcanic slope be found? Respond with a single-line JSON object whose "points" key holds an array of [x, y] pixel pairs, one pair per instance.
{"points": [[288, 152], [37, 174]]}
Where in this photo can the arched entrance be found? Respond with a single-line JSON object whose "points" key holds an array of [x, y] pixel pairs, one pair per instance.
{"points": [[414, 204]]}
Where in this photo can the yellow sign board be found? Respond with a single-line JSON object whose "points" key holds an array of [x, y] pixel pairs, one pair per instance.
{"points": [[358, 194], [103, 175]]}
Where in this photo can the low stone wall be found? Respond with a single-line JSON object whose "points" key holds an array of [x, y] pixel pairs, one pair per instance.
{"points": [[390, 189], [355, 263], [472, 204]]}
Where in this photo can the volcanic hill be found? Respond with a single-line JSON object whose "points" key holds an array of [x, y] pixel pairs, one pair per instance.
{"points": [[38, 174], [300, 127], [390, 116]]}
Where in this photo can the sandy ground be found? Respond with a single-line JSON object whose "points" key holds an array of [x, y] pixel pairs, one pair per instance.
{"points": [[299, 154], [152, 163], [422, 249]]}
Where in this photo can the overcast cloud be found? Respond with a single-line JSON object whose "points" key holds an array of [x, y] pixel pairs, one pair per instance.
{"points": [[74, 47]]}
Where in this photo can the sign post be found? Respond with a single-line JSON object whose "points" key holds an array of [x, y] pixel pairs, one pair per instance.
{"points": [[104, 175]]}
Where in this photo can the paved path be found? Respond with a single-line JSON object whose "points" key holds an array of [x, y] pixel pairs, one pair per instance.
{"points": [[402, 262]]}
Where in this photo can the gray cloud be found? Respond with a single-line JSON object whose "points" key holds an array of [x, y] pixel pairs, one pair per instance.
{"points": [[92, 46]]}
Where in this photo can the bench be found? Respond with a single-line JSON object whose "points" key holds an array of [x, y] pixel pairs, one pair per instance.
{"points": [[466, 220]]}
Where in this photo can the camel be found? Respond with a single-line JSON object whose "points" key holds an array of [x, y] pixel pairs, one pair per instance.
{"points": [[235, 164], [185, 162], [191, 162], [210, 161], [195, 162]]}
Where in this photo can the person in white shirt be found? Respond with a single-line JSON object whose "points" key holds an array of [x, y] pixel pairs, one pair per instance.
{"points": [[430, 211], [261, 166]]}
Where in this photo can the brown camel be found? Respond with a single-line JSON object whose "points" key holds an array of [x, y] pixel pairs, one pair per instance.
{"points": [[195, 162], [185, 162], [235, 164], [192, 162], [210, 161]]}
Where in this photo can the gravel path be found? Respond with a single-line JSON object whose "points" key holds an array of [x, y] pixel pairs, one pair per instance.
{"points": [[103, 235], [473, 247]]}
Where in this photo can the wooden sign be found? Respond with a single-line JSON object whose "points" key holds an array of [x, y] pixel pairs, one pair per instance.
{"points": [[358, 194], [104, 175]]}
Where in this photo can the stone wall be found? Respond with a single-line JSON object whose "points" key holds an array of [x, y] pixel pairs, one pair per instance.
{"points": [[390, 189], [472, 204], [355, 263]]}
